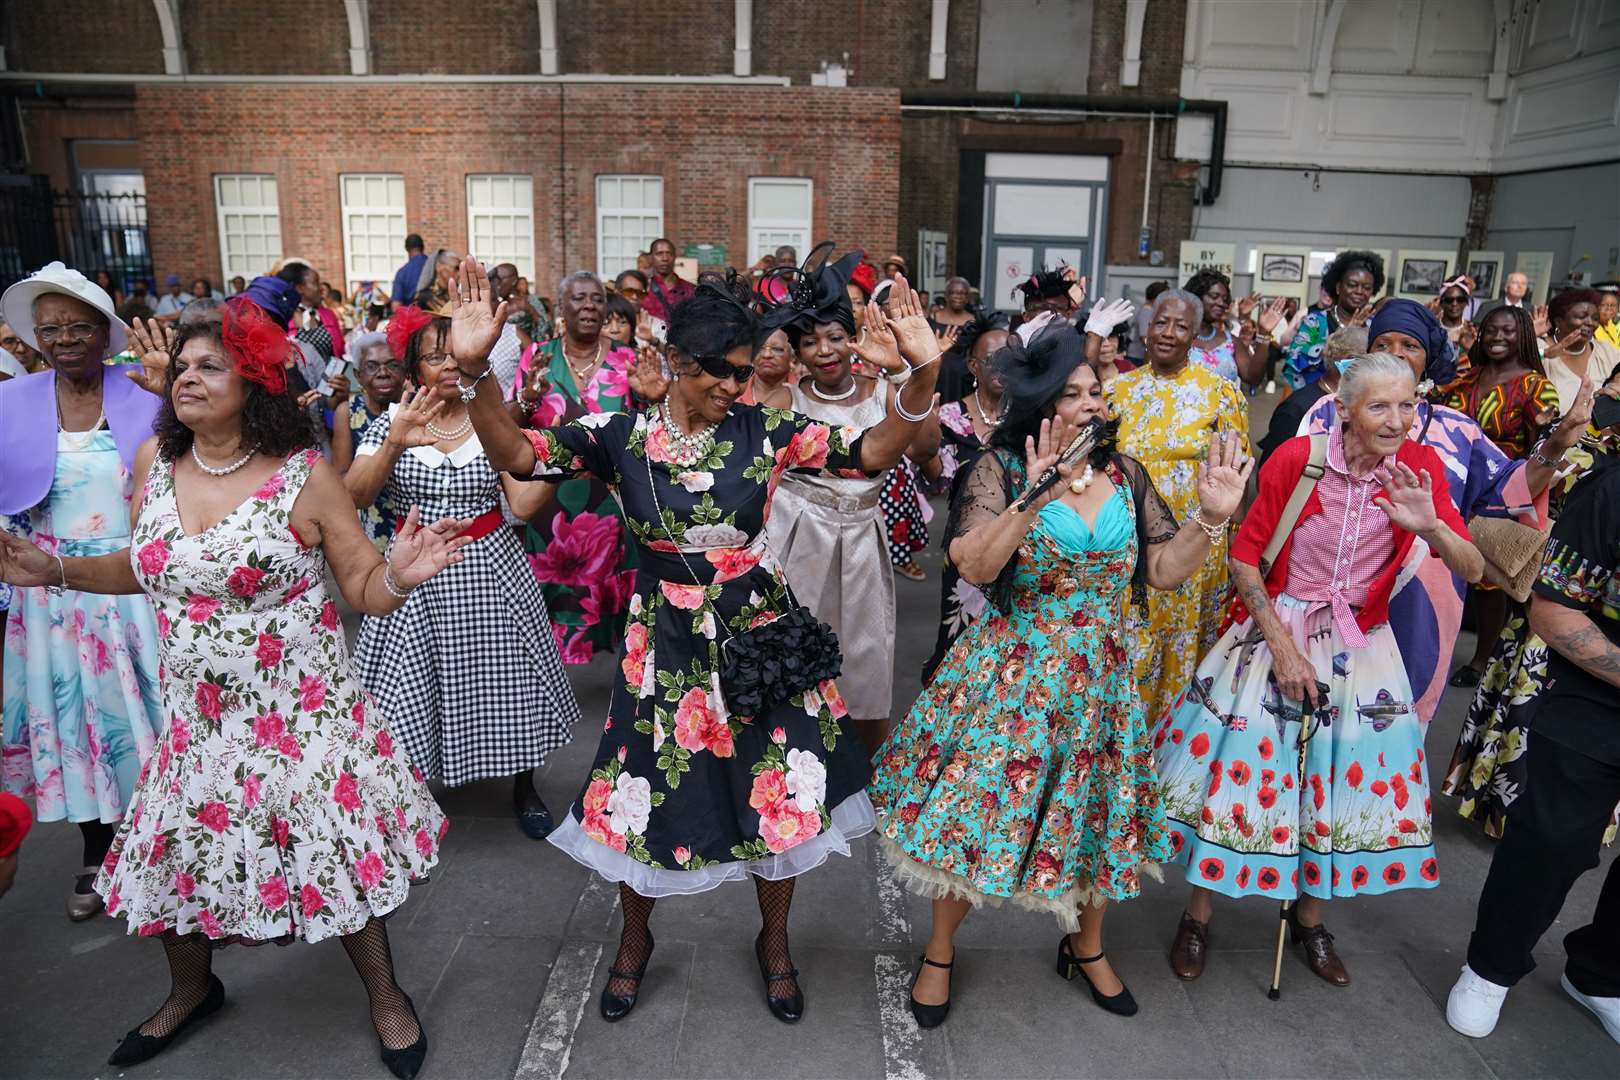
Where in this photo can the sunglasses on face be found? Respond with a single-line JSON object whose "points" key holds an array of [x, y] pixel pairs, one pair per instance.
{"points": [[633, 294], [720, 368]]}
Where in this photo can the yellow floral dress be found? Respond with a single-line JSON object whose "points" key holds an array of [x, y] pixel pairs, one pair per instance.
{"points": [[1165, 422]]}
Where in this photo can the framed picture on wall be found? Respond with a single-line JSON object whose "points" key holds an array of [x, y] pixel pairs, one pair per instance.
{"points": [[1422, 273], [1485, 267], [1281, 268]]}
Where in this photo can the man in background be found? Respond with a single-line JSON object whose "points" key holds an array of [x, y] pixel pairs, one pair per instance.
{"points": [[407, 276]]}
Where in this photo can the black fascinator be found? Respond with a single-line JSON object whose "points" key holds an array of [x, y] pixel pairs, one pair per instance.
{"points": [[812, 294], [1043, 286], [1033, 377]]}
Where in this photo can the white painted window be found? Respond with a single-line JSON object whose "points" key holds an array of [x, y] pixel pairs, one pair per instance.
{"points": [[373, 211], [249, 224], [629, 217], [779, 212], [500, 221]]}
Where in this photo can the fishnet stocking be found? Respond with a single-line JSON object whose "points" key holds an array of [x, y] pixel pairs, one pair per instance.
{"points": [[775, 901], [391, 1012], [635, 941], [190, 965]]}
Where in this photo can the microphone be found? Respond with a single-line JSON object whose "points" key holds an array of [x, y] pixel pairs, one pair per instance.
{"points": [[1078, 449]]}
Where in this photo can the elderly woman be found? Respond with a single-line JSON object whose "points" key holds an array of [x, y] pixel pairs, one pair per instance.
{"points": [[1426, 610], [1574, 352], [577, 543], [826, 530], [466, 669], [1023, 772], [382, 384], [1310, 658], [1352, 280], [1167, 410], [773, 369], [276, 806], [81, 703], [726, 754]]}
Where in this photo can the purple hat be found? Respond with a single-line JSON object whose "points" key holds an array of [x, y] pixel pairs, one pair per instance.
{"points": [[277, 296]]}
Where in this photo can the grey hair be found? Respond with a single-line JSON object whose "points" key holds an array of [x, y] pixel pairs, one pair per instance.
{"points": [[962, 281], [444, 255], [577, 275], [202, 309], [357, 344], [1345, 343], [1364, 370], [1185, 297]]}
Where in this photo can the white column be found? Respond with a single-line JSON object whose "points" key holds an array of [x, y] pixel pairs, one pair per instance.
{"points": [[936, 38], [548, 37], [742, 56], [174, 54], [1135, 15], [1322, 65], [1496, 85], [359, 13]]}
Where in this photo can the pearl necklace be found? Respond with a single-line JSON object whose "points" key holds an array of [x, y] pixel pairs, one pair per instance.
{"points": [[226, 470], [1083, 481], [841, 396], [78, 440], [446, 436], [580, 373], [984, 416], [685, 449]]}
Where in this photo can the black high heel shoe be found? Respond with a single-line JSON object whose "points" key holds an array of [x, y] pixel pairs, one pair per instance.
{"points": [[137, 1048], [1069, 965], [616, 1007], [930, 1016], [405, 1063], [789, 1010]]}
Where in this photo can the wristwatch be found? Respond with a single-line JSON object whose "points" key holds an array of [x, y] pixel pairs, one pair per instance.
{"points": [[469, 390]]}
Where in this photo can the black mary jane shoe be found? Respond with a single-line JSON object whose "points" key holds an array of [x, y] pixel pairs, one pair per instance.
{"points": [[790, 1009], [616, 1007], [405, 1063], [929, 1016], [1070, 965], [533, 817], [1464, 678], [137, 1048]]}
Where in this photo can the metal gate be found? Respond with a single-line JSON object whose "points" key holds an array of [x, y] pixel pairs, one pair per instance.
{"points": [[87, 232]]}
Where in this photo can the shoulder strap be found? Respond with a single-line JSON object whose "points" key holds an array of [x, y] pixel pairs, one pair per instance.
{"points": [[1296, 503]]}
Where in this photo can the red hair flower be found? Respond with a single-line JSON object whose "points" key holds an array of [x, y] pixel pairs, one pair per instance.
{"points": [[256, 343], [864, 277], [404, 325]]}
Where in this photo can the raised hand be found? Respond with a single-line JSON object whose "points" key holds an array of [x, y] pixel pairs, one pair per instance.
{"points": [[647, 378], [1105, 316], [151, 341], [909, 324], [1272, 314], [1541, 320], [1361, 316], [1408, 499], [419, 553], [24, 565], [1434, 307], [1246, 305], [1223, 476], [474, 327], [408, 428], [1042, 452], [946, 338], [1467, 335], [1077, 286], [876, 344], [1569, 429], [1566, 345], [646, 332]]}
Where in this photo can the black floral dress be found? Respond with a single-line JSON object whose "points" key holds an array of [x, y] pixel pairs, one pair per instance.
{"points": [[683, 794]]}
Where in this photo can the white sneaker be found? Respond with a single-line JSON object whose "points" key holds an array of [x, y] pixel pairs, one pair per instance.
{"points": [[1474, 1004], [1606, 1009], [1271, 386]]}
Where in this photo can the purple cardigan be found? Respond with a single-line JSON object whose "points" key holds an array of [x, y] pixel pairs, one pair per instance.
{"points": [[28, 431]]}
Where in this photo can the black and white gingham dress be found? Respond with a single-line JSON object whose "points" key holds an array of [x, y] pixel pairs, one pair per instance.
{"points": [[466, 671]]}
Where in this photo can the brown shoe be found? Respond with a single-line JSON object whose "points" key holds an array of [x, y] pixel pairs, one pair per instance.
{"points": [[1320, 956], [1188, 950]]}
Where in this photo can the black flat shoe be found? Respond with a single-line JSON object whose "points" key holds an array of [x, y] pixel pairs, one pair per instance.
{"points": [[790, 1009], [536, 822], [1070, 965], [616, 1007], [929, 1016], [137, 1048], [407, 1062], [1464, 678]]}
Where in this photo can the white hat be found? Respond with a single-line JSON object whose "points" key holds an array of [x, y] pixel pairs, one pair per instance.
{"points": [[17, 305]]}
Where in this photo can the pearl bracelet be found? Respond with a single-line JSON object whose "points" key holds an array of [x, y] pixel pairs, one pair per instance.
{"points": [[392, 585], [1214, 532]]}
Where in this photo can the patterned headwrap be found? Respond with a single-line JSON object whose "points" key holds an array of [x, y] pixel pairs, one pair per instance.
{"points": [[256, 343], [1416, 321], [405, 324]]}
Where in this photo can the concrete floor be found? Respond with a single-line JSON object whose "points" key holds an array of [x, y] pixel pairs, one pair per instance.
{"points": [[506, 948]]}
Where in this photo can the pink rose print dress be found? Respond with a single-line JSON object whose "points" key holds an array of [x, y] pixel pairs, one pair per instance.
{"points": [[278, 804], [683, 794], [82, 708]]}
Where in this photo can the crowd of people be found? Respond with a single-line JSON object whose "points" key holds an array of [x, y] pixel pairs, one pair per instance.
{"points": [[1161, 642]]}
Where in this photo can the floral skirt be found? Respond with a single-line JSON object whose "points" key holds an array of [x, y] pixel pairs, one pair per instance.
{"points": [[1246, 821]]}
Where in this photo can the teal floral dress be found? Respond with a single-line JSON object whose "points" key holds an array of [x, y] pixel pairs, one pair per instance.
{"points": [[1024, 772]]}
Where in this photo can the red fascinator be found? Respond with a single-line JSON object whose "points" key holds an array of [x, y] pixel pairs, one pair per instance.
{"points": [[865, 277], [257, 344], [404, 325]]}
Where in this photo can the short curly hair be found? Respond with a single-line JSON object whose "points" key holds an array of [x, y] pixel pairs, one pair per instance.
{"points": [[1206, 279], [1347, 261], [272, 422]]}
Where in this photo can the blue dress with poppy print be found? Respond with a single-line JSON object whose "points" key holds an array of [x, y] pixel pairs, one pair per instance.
{"points": [[683, 793], [1024, 770]]}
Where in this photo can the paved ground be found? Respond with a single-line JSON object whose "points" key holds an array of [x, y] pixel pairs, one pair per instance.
{"points": [[506, 948]]}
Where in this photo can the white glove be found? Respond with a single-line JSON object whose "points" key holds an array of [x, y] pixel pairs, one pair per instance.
{"points": [[1104, 317]]}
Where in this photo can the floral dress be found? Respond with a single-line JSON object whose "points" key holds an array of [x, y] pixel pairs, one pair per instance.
{"points": [[1220, 357], [1024, 770], [1166, 422], [960, 604], [1302, 360], [382, 517], [683, 794], [82, 704], [577, 544], [277, 805]]}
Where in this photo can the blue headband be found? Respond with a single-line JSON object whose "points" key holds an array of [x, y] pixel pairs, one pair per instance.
{"points": [[1415, 321]]}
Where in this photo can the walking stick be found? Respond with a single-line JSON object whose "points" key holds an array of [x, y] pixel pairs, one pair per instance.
{"points": [[1275, 993]]}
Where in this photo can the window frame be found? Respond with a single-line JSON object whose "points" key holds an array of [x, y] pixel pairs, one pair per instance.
{"points": [[488, 252], [262, 209], [805, 229], [603, 269], [351, 278]]}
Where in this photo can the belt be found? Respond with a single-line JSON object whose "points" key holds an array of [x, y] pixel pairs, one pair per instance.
{"points": [[846, 504], [480, 526]]}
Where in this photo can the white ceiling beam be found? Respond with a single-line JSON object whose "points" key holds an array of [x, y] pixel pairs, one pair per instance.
{"points": [[1130, 73], [937, 21], [1322, 61], [1496, 83], [359, 13], [174, 54], [742, 56]]}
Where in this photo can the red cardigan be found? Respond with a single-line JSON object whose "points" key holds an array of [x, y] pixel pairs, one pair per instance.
{"points": [[1283, 469]]}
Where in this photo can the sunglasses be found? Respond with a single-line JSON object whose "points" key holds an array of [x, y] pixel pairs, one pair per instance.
{"points": [[633, 294], [720, 368]]}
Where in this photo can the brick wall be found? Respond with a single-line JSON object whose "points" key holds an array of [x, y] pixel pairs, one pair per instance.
{"points": [[490, 37], [649, 37], [705, 141], [228, 37], [887, 42], [82, 35], [51, 126], [1163, 35]]}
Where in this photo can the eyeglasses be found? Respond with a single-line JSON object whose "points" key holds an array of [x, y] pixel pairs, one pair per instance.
{"points": [[633, 294], [79, 331], [720, 368], [371, 367], [437, 359]]}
